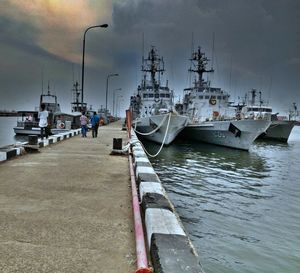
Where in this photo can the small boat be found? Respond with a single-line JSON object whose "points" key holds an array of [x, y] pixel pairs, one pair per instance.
{"points": [[211, 117], [153, 112], [28, 121], [280, 127]]}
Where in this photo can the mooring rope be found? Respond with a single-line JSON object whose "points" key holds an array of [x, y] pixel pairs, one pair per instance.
{"points": [[156, 129], [163, 142]]}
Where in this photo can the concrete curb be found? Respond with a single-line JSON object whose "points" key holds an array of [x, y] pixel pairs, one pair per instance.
{"points": [[12, 151], [170, 247]]}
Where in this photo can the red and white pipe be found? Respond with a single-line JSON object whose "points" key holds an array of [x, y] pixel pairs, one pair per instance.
{"points": [[141, 253]]}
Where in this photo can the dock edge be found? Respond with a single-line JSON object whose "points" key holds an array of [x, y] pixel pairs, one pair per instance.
{"points": [[170, 248], [11, 151]]}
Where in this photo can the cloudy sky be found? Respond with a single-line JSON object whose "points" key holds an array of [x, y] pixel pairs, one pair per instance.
{"points": [[256, 45]]}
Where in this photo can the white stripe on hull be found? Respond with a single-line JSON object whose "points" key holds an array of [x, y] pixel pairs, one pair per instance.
{"points": [[36, 131], [22, 131], [148, 124], [217, 132]]}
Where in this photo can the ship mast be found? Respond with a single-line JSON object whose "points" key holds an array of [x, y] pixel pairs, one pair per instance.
{"points": [[200, 61], [253, 96], [153, 65], [76, 106]]}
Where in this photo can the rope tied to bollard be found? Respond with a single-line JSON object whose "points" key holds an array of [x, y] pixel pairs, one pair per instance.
{"points": [[164, 139]]}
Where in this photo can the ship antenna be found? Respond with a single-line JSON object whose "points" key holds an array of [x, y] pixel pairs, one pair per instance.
{"points": [[42, 80], [143, 56], [143, 47], [213, 52], [143, 51], [73, 72], [48, 88], [230, 73], [192, 44], [191, 62], [260, 101], [212, 57]]}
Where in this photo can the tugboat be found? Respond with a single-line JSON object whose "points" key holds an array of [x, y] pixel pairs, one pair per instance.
{"points": [[211, 117], [28, 122], [153, 112], [280, 127]]}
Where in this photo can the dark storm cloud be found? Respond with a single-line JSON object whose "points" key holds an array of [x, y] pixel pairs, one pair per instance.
{"points": [[22, 37], [256, 42], [22, 63], [256, 46]]}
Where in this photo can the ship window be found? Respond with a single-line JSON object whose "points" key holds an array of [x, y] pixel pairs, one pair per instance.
{"points": [[200, 97], [219, 97], [156, 95], [213, 97], [151, 95], [167, 95], [224, 97], [207, 97], [268, 110], [162, 95], [145, 96]]}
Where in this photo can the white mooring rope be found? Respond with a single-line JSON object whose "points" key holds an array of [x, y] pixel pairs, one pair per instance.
{"points": [[152, 132], [164, 139]]}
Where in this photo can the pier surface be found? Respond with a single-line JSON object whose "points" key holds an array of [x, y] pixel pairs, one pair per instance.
{"points": [[68, 208]]}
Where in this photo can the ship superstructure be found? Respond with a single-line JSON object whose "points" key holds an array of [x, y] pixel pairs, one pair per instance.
{"points": [[211, 117], [154, 116]]}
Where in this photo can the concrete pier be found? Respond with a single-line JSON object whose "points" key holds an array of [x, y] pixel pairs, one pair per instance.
{"points": [[68, 208]]}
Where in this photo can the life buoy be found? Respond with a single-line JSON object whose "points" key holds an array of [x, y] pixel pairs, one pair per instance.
{"points": [[212, 101], [215, 114], [62, 125]]}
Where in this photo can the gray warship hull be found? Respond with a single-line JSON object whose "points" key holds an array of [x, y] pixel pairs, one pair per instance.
{"points": [[238, 134]]}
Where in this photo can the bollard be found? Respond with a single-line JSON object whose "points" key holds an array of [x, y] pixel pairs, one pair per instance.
{"points": [[32, 139], [117, 144]]}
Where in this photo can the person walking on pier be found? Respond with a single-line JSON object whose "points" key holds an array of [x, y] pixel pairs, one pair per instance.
{"points": [[83, 122], [43, 122], [95, 124]]}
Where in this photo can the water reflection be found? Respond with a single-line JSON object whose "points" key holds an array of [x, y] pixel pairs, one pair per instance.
{"points": [[238, 207], [209, 159]]}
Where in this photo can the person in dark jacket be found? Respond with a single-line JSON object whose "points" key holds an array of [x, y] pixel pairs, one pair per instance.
{"points": [[95, 124]]}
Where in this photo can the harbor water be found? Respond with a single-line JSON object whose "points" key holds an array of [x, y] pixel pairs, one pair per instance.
{"points": [[7, 135], [240, 209]]}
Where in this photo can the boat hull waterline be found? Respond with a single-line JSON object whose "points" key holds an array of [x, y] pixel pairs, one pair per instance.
{"points": [[238, 134], [149, 124], [36, 131], [279, 130]]}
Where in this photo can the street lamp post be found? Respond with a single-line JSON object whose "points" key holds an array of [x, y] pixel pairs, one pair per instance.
{"points": [[108, 76], [118, 103], [83, 53], [114, 99]]}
